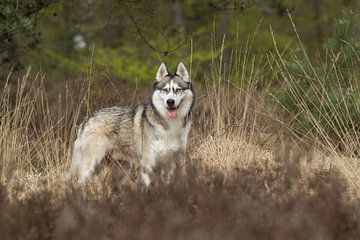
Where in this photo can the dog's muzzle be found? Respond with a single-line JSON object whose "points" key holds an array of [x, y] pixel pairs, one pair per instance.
{"points": [[170, 103], [172, 110]]}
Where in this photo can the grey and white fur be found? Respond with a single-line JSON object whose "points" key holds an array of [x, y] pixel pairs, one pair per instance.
{"points": [[144, 135]]}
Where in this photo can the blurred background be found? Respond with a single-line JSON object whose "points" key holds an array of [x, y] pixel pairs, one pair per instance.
{"points": [[276, 118], [128, 39]]}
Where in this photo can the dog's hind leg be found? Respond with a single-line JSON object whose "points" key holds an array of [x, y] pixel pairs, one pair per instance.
{"points": [[76, 158], [89, 150]]}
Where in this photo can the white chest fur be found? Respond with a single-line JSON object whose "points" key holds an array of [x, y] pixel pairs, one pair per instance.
{"points": [[167, 141]]}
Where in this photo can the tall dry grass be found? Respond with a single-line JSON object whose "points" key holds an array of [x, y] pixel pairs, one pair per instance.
{"points": [[236, 127], [238, 183], [36, 136], [248, 175], [322, 101]]}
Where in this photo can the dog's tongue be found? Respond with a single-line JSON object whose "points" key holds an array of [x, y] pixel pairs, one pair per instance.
{"points": [[172, 113]]}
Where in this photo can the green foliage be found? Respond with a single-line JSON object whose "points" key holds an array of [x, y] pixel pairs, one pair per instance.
{"points": [[137, 35], [323, 98], [18, 31], [344, 44], [344, 34]]}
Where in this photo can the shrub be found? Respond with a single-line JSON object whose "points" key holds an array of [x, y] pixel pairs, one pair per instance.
{"points": [[323, 98]]}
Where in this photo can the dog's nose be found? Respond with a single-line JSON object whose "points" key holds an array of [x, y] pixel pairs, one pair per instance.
{"points": [[170, 102]]}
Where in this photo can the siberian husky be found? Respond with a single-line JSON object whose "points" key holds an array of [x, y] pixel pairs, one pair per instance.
{"points": [[144, 135]]}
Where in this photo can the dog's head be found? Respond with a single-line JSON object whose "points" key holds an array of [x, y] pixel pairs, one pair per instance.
{"points": [[173, 94]]}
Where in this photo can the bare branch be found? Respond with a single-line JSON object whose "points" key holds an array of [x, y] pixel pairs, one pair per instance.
{"points": [[146, 41]]}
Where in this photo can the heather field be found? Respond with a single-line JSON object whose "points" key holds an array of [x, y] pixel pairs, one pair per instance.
{"points": [[248, 174], [274, 148]]}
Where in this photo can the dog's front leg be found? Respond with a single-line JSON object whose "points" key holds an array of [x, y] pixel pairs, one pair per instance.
{"points": [[146, 177], [146, 172]]}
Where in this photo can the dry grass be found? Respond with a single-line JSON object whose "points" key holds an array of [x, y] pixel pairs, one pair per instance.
{"points": [[246, 176], [33, 135], [228, 154]]}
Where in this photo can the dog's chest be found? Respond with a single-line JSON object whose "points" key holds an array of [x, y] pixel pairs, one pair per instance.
{"points": [[169, 140]]}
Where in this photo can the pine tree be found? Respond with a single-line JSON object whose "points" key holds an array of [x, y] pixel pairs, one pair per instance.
{"points": [[18, 28]]}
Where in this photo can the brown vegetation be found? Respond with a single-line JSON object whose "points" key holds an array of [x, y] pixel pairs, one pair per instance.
{"points": [[245, 178]]}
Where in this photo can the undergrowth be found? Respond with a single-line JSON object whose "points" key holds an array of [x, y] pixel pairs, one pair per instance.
{"points": [[249, 173], [253, 205]]}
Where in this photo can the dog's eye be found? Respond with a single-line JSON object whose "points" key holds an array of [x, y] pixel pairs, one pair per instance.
{"points": [[165, 90], [178, 90]]}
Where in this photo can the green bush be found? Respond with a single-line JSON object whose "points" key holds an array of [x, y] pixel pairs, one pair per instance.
{"points": [[18, 30], [323, 97]]}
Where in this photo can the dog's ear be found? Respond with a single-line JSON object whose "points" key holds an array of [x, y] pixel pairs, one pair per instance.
{"points": [[162, 72], [182, 72]]}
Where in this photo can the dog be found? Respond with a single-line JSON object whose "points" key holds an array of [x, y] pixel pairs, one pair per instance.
{"points": [[144, 135]]}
